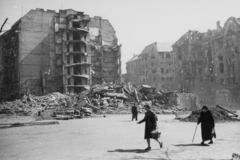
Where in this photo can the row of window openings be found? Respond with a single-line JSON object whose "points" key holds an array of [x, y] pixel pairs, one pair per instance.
{"points": [[162, 71], [78, 82], [77, 36], [152, 64], [80, 24], [77, 59], [77, 47], [145, 57], [229, 80], [76, 71], [221, 67], [154, 79]]}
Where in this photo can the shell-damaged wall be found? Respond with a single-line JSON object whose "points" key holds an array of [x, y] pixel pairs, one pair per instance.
{"points": [[209, 64], [105, 52], [36, 48]]}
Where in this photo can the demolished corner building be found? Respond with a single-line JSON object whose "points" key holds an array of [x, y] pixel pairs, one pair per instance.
{"points": [[68, 51]]}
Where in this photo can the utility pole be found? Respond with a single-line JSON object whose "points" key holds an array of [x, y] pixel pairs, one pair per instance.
{"points": [[3, 24]]}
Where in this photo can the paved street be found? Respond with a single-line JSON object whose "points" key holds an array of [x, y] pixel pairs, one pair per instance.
{"points": [[115, 137]]}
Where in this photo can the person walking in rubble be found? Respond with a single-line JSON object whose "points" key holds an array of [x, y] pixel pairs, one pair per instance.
{"points": [[150, 120], [207, 125], [134, 112]]}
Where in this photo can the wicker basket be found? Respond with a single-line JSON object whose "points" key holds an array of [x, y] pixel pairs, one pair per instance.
{"points": [[155, 134]]}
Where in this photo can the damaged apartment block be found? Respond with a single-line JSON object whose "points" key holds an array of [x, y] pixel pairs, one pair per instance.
{"points": [[105, 52], [72, 36], [208, 64], [9, 77], [46, 51]]}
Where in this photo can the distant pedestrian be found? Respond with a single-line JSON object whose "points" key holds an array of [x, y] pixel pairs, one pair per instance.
{"points": [[134, 112], [207, 125], [150, 120]]}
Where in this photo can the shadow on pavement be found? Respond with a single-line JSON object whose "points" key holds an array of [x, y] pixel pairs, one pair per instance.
{"points": [[129, 150], [186, 145]]}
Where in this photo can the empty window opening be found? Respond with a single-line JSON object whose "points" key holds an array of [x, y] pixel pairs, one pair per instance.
{"points": [[168, 55], [76, 36], [221, 68], [211, 79], [68, 70], [162, 70], [220, 57], [76, 24], [68, 59], [76, 58], [76, 47], [222, 80]]}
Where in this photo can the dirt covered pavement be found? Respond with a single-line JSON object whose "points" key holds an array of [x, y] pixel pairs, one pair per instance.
{"points": [[115, 137]]}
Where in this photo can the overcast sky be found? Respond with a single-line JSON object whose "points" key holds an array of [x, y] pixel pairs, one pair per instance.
{"points": [[137, 22]]}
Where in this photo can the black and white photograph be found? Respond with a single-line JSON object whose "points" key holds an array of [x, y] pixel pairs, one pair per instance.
{"points": [[119, 79]]}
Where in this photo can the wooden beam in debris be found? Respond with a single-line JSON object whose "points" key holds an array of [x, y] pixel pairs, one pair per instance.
{"points": [[3, 24], [136, 95], [227, 110]]}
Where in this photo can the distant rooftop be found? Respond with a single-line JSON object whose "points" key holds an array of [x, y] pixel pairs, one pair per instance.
{"points": [[161, 47], [135, 57]]}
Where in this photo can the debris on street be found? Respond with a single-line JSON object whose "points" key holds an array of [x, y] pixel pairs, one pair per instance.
{"points": [[219, 114], [108, 98]]}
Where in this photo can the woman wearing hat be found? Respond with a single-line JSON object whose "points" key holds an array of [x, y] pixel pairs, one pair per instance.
{"points": [[207, 125], [150, 120]]}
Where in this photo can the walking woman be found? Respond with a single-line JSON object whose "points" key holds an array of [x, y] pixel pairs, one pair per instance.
{"points": [[207, 125], [150, 120]]}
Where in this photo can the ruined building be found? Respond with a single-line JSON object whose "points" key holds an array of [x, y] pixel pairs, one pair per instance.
{"points": [[154, 66], [132, 74], [105, 52], [208, 64], [73, 55], [46, 51]]}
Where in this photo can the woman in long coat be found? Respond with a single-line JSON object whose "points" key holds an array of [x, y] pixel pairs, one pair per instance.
{"points": [[150, 120], [207, 125]]}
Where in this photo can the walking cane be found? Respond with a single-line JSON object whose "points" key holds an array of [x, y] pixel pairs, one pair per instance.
{"points": [[194, 133]]}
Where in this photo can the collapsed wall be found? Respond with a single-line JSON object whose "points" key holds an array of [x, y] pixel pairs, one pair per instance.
{"points": [[184, 101], [105, 52]]}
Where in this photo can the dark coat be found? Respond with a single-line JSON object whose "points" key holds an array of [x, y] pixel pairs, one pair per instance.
{"points": [[150, 120], [207, 125], [134, 110]]}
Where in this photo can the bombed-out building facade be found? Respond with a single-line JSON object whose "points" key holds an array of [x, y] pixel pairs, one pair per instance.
{"points": [[65, 51], [153, 66], [208, 64]]}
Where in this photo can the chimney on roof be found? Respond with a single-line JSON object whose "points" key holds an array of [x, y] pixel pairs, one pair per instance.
{"points": [[218, 25], [155, 43]]}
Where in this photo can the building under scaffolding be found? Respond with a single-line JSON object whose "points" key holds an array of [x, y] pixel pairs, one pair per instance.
{"points": [[46, 51]]}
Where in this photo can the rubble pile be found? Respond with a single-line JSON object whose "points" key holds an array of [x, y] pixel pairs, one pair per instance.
{"points": [[218, 115], [107, 98]]}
